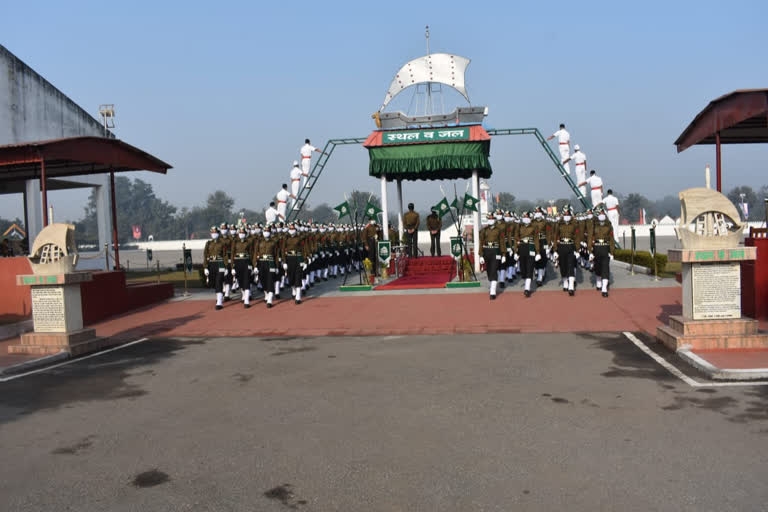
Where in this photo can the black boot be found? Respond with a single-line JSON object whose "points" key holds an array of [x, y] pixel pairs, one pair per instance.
{"points": [[218, 307], [527, 293]]}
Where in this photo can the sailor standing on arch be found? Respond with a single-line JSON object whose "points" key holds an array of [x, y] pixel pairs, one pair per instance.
{"points": [[580, 161], [564, 145], [306, 159], [295, 181], [282, 202]]}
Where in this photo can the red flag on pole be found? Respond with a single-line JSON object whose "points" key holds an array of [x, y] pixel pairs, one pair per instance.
{"points": [[136, 232]]}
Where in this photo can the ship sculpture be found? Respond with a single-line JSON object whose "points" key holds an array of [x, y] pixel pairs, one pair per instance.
{"points": [[54, 250], [708, 220]]}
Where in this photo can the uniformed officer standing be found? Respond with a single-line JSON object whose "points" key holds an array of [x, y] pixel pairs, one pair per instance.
{"points": [[295, 182], [494, 246], [266, 260], [580, 162], [216, 257], [595, 185], [411, 223], [564, 146], [611, 204], [435, 225], [242, 254], [601, 248], [282, 202], [394, 236], [370, 238], [306, 159], [528, 249], [565, 246]]}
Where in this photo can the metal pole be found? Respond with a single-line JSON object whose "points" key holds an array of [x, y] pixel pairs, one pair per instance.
{"points": [[400, 227], [106, 255], [385, 210], [114, 218], [476, 217], [44, 189], [719, 164]]}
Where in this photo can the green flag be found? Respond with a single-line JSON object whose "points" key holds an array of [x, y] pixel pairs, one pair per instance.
{"points": [[455, 203], [343, 209], [442, 207], [470, 203], [371, 210]]}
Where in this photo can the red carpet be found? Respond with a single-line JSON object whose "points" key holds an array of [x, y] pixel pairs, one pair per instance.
{"points": [[426, 272]]}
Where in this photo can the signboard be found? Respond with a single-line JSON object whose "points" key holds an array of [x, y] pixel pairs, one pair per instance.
{"points": [[433, 135], [48, 309], [188, 260], [385, 251], [456, 246], [716, 291], [149, 254]]}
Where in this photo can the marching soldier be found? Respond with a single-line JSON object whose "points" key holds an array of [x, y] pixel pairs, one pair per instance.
{"points": [[216, 257], [528, 249], [411, 223], [265, 259], [601, 248], [226, 239], [494, 246], [294, 262], [545, 239], [509, 237], [242, 255], [565, 248], [434, 225]]}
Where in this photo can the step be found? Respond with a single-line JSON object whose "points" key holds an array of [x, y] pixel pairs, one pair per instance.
{"points": [[674, 340], [37, 350], [733, 326]]}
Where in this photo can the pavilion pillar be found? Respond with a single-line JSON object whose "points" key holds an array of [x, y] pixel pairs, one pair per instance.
{"points": [[476, 221], [44, 191], [400, 228], [718, 162], [114, 219], [385, 210]]}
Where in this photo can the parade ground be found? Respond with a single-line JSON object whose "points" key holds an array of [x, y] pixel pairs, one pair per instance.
{"points": [[496, 422]]}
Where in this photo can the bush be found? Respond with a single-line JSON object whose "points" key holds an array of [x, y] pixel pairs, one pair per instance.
{"points": [[642, 258]]}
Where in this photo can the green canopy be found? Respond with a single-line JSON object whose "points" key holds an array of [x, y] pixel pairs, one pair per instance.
{"points": [[438, 161]]}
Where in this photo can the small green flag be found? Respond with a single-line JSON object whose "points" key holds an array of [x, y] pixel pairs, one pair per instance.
{"points": [[455, 203], [470, 203], [442, 207], [371, 210], [343, 209]]}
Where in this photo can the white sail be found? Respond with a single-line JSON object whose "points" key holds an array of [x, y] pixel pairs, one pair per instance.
{"points": [[438, 67]]}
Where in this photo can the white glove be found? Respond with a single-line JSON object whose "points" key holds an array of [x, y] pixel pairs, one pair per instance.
{"points": [[538, 257], [285, 267], [509, 251], [303, 266], [255, 271], [503, 260], [517, 256], [591, 256], [206, 272], [226, 272], [576, 253], [533, 253], [482, 260], [498, 256], [610, 256]]}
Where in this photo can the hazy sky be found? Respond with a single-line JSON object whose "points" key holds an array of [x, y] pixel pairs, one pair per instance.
{"points": [[227, 91]]}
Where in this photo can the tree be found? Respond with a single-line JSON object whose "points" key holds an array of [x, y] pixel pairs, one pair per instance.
{"points": [[505, 201], [631, 206]]}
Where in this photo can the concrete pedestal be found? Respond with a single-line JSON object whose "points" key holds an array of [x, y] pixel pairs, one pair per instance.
{"points": [[711, 318], [57, 316]]}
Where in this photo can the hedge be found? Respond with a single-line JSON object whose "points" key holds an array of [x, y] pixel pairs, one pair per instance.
{"points": [[642, 258]]}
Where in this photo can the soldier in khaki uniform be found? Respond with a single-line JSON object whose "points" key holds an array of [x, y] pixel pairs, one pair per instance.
{"points": [[565, 245], [494, 244], [544, 229], [294, 259], [242, 257], [266, 258], [216, 257], [511, 229], [411, 223], [528, 249], [394, 236], [370, 238], [435, 226], [601, 250]]}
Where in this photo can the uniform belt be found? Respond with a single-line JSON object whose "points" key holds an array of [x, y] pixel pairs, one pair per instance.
{"points": [[581, 163], [596, 188], [566, 240], [266, 258], [215, 258], [491, 246], [242, 255], [279, 201], [293, 253], [302, 156], [295, 179], [614, 208], [601, 241], [565, 143], [527, 240]]}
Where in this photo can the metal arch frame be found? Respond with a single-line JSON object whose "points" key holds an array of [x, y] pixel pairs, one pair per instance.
{"points": [[321, 162]]}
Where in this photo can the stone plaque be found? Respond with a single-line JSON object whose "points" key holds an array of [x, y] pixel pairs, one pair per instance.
{"points": [[716, 291], [48, 311]]}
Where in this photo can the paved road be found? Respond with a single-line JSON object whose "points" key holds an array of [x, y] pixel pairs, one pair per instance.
{"points": [[496, 423]]}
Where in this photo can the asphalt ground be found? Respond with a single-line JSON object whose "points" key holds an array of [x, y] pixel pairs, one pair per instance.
{"points": [[482, 422]]}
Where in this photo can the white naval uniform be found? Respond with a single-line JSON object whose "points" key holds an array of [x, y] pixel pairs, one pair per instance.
{"points": [[612, 210], [271, 215], [306, 161], [595, 186], [295, 181], [564, 145], [282, 203], [579, 160]]}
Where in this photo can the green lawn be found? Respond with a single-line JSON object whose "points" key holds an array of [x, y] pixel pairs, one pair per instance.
{"points": [[176, 277]]}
